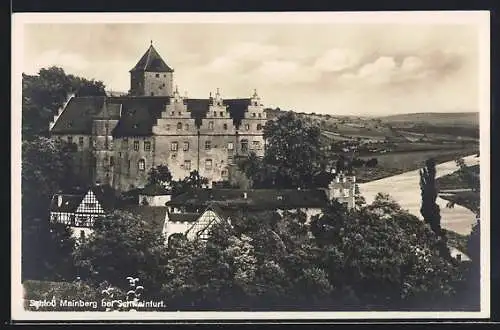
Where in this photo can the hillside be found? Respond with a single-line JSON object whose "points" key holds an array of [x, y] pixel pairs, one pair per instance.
{"points": [[435, 118]]}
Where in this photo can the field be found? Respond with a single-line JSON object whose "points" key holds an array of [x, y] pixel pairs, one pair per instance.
{"points": [[394, 163]]}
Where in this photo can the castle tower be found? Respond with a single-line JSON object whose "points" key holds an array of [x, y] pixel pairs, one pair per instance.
{"points": [[151, 76]]}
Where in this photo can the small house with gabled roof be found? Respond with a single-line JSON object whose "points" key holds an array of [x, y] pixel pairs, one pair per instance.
{"points": [[79, 209]]}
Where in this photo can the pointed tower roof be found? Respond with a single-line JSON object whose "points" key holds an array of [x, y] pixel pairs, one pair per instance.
{"points": [[151, 61]]}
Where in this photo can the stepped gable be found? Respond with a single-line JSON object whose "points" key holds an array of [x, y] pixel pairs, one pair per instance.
{"points": [[151, 61], [78, 114], [138, 113]]}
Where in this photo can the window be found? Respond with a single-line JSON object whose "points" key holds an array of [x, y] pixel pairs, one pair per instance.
{"points": [[186, 127], [244, 145], [208, 164], [179, 113], [128, 166], [259, 127], [222, 113], [179, 125], [152, 94], [256, 144], [247, 127], [157, 75], [224, 173], [186, 146], [168, 127], [208, 145], [173, 156], [187, 165], [215, 113], [80, 141], [225, 126], [211, 125], [111, 161], [260, 115], [172, 113], [253, 114], [136, 145], [230, 146], [174, 146], [163, 85], [125, 143], [70, 139], [147, 146], [142, 165]]}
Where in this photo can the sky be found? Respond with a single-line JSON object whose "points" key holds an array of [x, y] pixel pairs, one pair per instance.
{"points": [[336, 69]]}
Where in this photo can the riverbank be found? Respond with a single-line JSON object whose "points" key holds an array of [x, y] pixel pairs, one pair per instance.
{"points": [[404, 188], [392, 164]]}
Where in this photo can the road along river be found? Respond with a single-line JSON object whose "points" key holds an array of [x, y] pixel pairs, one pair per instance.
{"points": [[405, 189]]}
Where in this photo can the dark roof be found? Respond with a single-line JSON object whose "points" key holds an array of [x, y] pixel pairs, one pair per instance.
{"points": [[256, 199], [109, 111], [154, 190], [105, 194], [183, 217], [154, 215], [77, 116], [138, 113], [69, 203], [151, 61]]}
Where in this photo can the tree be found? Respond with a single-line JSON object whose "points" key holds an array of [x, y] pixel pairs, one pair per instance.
{"points": [[46, 169], [293, 155], [383, 256], [122, 245], [160, 175], [429, 209], [193, 181], [378, 257], [45, 93]]}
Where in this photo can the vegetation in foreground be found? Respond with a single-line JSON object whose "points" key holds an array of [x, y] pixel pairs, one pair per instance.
{"points": [[377, 257]]}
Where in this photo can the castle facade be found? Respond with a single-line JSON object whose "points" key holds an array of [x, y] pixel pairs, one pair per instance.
{"points": [[119, 139]]}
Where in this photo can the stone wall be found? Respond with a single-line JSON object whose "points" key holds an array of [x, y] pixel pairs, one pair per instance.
{"points": [[158, 84]]}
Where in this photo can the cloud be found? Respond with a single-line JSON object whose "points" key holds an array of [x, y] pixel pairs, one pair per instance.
{"points": [[387, 70], [285, 72], [252, 51], [335, 60], [71, 62]]}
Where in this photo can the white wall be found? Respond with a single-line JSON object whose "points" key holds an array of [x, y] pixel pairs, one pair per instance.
{"points": [[159, 200]]}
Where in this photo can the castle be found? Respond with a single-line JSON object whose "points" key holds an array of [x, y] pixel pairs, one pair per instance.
{"points": [[120, 138]]}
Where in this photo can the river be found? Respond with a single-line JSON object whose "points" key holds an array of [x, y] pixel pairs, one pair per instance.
{"points": [[405, 189]]}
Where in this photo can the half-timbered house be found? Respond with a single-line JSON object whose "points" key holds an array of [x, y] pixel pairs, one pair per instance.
{"points": [[80, 209]]}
